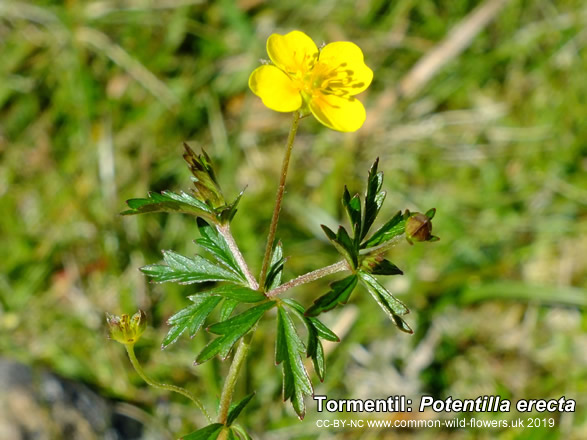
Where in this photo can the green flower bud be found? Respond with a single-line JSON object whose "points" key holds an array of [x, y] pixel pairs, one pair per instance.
{"points": [[419, 227], [127, 330], [206, 188]]}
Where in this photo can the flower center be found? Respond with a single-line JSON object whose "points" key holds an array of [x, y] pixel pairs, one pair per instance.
{"points": [[326, 79]]}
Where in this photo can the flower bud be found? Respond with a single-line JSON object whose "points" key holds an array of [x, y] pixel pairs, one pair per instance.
{"points": [[419, 227], [125, 329], [206, 188]]}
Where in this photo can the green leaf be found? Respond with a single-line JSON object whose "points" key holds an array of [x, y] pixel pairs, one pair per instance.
{"points": [[210, 432], [316, 352], [339, 293], [235, 409], [295, 306], [353, 210], [186, 270], [231, 331], [168, 202], [238, 293], [214, 242], [343, 238], [377, 265], [315, 329], [191, 318], [226, 213], [377, 290], [374, 198], [394, 227], [275, 268], [227, 307], [390, 305], [401, 324], [343, 244], [288, 350], [241, 433], [323, 331], [386, 267]]}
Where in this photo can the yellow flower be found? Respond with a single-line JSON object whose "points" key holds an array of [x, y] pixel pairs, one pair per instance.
{"points": [[323, 81]]}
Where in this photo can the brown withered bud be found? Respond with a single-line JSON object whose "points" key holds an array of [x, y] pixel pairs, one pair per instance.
{"points": [[419, 227]]}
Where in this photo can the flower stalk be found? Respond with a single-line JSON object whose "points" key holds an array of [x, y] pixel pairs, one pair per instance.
{"points": [[279, 199], [162, 386]]}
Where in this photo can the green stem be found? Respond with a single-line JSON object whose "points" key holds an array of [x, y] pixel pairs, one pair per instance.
{"points": [[384, 247], [162, 386], [279, 198], [243, 346], [341, 266], [309, 277], [225, 231], [231, 378]]}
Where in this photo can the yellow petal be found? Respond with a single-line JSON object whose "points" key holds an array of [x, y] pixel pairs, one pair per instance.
{"points": [[341, 113], [348, 59], [275, 88], [294, 52]]}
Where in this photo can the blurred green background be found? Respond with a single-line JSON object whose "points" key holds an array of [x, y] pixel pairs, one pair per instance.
{"points": [[96, 98]]}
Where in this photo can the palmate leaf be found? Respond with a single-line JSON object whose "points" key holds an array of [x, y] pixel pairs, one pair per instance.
{"points": [[339, 293], [168, 201], [184, 270], [207, 200], [231, 331], [316, 329], [288, 351], [392, 306], [192, 317], [361, 219], [214, 242]]}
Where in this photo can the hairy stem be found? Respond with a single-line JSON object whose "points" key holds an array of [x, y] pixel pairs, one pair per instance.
{"points": [[309, 277], [231, 378], [341, 266], [278, 199], [162, 386], [243, 346], [224, 230], [383, 247]]}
